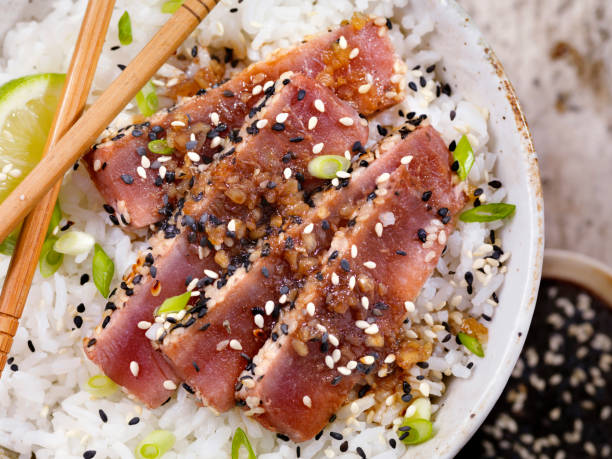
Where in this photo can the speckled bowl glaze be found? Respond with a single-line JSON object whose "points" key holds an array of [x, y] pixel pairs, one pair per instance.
{"points": [[471, 68]]}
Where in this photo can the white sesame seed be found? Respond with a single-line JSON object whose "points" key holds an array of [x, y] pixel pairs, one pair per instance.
{"points": [[310, 309], [371, 330], [144, 325], [430, 256], [353, 251], [335, 279], [406, 160], [269, 307], [335, 182], [307, 402], [390, 358], [214, 118], [378, 228], [164, 159], [287, 173], [364, 88], [177, 124], [354, 53], [317, 148], [259, 320], [268, 84], [383, 177], [362, 324], [235, 344], [370, 264], [347, 154], [215, 142], [231, 226], [282, 299], [282, 117], [192, 284], [145, 162], [211, 274], [343, 174], [367, 360], [344, 371], [321, 328], [261, 124], [409, 305], [351, 365], [319, 105], [365, 302], [257, 89], [352, 282], [141, 172], [312, 123], [134, 368], [333, 340], [342, 42], [346, 121], [308, 229], [442, 238], [192, 137], [193, 156], [329, 361], [162, 171], [169, 385], [97, 165], [336, 354]]}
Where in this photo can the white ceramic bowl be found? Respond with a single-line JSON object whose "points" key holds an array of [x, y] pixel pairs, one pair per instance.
{"points": [[470, 64]]}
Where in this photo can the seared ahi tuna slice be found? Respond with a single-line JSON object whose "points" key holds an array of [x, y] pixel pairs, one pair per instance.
{"points": [[242, 312], [346, 320], [361, 68], [181, 255]]}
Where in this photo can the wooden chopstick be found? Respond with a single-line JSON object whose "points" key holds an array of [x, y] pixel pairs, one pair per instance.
{"points": [[74, 96], [85, 131]]}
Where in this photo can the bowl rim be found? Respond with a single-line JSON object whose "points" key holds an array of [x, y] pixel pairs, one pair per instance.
{"points": [[529, 292]]}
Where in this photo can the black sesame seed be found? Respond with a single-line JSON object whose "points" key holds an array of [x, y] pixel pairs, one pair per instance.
{"points": [[103, 415], [431, 68], [14, 367], [89, 454], [455, 166], [344, 446], [422, 235], [135, 420], [282, 437], [84, 279], [495, 184], [78, 321], [336, 435], [319, 435], [426, 196], [423, 81], [108, 209], [301, 94], [278, 127], [412, 85], [345, 265], [121, 67], [360, 452], [91, 342], [382, 130], [452, 146], [469, 277], [127, 179], [406, 398], [31, 346], [443, 212], [392, 443]]}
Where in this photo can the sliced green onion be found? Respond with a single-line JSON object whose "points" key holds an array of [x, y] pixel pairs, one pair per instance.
{"points": [[146, 99], [464, 155], [160, 147], [173, 304], [56, 217], [49, 260], [471, 343], [103, 270], [155, 445], [239, 440], [422, 409], [125, 29], [327, 166], [488, 212], [419, 431], [74, 243], [171, 6], [100, 386]]}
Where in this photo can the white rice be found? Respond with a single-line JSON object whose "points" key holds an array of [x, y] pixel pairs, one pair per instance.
{"points": [[42, 407]]}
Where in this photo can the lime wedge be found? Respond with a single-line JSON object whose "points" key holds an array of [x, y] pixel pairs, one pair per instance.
{"points": [[27, 107]]}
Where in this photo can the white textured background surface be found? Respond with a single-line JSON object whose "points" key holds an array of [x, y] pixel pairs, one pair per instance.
{"points": [[558, 54]]}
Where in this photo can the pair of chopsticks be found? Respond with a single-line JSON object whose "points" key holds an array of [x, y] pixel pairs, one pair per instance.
{"points": [[39, 189]]}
